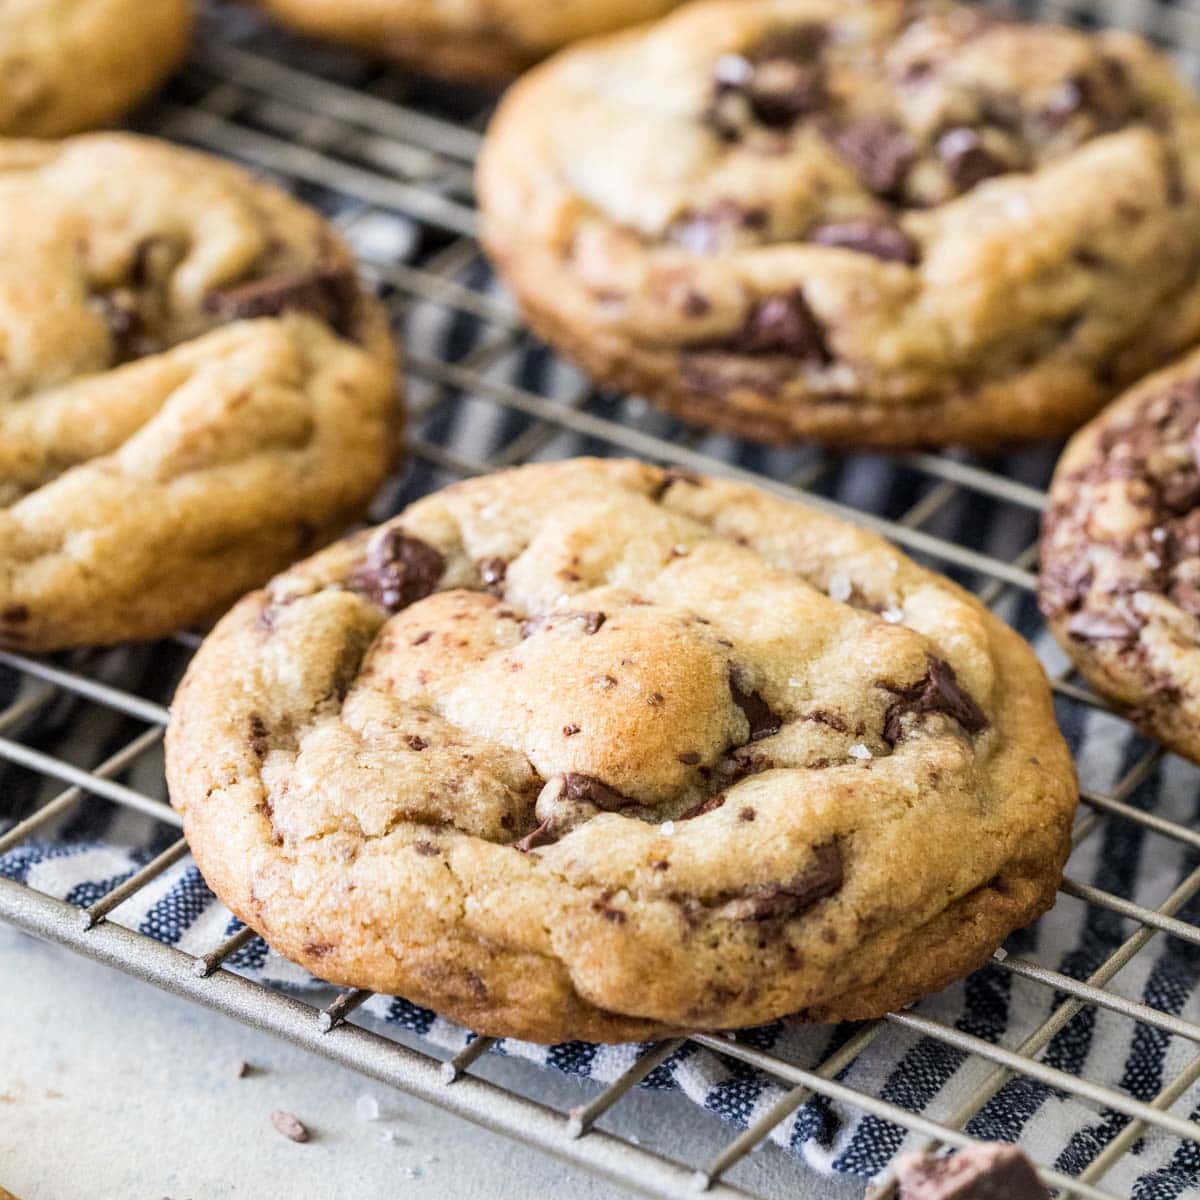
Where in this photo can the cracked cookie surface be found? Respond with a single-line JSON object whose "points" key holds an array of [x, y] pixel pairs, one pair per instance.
{"points": [[486, 40], [193, 388], [593, 749], [71, 65], [881, 222], [1120, 554]]}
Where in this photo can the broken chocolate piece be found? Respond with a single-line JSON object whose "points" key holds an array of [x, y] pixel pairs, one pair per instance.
{"points": [[879, 152], [331, 294], [783, 900], [762, 721], [543, 835], [938, 692], [968, 161], [983, 1171], [590, 621], [880, 239], [399, 571], [585, 787]]}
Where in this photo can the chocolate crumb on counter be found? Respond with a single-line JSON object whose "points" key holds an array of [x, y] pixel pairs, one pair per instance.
{"points": [[290, 1126]]}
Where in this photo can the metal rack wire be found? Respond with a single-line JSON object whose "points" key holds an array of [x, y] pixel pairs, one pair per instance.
{"points": [[362, 139]]}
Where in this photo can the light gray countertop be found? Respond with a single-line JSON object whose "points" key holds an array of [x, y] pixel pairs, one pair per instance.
{"points": [[110, 1089]]}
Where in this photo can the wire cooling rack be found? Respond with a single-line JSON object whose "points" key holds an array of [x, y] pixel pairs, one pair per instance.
{"points": [[366, 142]]}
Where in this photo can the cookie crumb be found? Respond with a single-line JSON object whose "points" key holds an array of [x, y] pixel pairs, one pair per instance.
{"points": [[290, 1126]]}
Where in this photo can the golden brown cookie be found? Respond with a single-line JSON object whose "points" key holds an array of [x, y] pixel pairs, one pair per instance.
{"points": [[70, 65], [879, 222], [194, 390], [1120, 573], [596, 750], [487, 40]]}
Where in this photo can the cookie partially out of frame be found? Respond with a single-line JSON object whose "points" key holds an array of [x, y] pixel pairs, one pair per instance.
{"points": [[1120, 554], [70, 65], [194, 390], [863, 221], [486, 40], [595, 750]]}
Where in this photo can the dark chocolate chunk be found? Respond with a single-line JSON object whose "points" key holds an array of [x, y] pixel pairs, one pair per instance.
{"points": [[968, 161], [705, 806], [880, 239], [938, 692], [879, 152], [762, 721], [589, 621], [769, 901], [399, 570], [543, 835], [781, 324], [492, 571], [984, 1171], [427, 849], [592, 790], [331, 294], [415, 742], [690, 759]]}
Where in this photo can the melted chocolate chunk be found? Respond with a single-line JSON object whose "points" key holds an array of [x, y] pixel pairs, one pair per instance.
{"points": [[968, 161], [592, 790], [705, 806], [938, 692], [880, 239], [544, 834], [399, 571], [327, 293], [782, 324], [772, 901], [879, 152], [762, 721], [493, 571]]}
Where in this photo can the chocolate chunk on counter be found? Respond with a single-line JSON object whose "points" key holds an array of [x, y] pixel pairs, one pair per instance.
{"points": [[329, 294], [984, 1171], [399, 571], [938, 692], [880, 239]]}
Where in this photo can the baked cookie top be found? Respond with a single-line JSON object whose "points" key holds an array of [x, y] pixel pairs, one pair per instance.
{"points": [[193, 388], [1120, 573], [596, 750], [864, 220], [481, 39], [70, 65]]}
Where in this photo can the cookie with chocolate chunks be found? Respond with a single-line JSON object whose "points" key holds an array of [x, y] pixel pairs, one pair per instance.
{"points": [[593, 749], [488, 41], [1120, 554], [71, 65], [865, 222], [194, 389]]}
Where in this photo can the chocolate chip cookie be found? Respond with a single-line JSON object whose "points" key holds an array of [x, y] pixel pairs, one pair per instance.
{"points": [[70, 65], [598, 750], [880, 222], [486, 40], [1120, 574], [194, 390]]}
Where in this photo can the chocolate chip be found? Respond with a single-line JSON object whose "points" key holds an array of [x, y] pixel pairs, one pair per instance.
{"points": [[761, 720], [746, 814], [492, 571], [656, 700], [331, 294], [880, 239], [968, 161], [781, 324], [415, 742], [290, 1126], [690, 759], [258, 736], [615, 915], [15, 614], [427, 849], [822, 716], [593, 791], [771, 901], [544, 835], [570, 730], [399, 571], [878, 151], [422, 638], [705, 806], [938, 692], [982, 1171], [590, 622]]}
